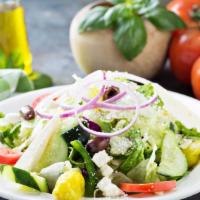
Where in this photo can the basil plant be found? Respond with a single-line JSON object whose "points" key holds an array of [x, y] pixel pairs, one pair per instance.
{"points": [[126, 19]]}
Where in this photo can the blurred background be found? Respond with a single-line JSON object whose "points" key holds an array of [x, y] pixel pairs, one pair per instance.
{"points": [[48, 23]]}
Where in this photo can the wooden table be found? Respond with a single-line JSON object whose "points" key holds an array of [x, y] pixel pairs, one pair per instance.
{"points": [[48, 23]]}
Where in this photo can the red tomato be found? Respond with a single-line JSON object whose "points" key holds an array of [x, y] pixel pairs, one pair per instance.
{"points": [[148, 187], [195, 76], [38, 100], [186, 9], [184, 50], [9, 156]]}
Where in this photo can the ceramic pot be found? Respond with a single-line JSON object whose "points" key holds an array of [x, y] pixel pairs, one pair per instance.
{"points": [[97, 50]]}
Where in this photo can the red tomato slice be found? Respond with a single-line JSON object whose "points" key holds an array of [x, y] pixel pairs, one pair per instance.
{"points": [[148, 187], [39, 99], [9, 156]]}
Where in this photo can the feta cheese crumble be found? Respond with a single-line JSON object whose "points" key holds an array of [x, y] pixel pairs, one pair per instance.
{"points": [[101, 158], [120, 145], [108, 188], [106, 170]]}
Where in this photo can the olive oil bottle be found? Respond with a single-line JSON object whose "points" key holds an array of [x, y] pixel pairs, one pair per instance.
{"points": [[13, 35]]}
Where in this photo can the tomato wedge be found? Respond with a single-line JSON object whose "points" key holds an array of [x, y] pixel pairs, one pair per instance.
{"points": [[9, 156], [148, 187], [38, 100]]}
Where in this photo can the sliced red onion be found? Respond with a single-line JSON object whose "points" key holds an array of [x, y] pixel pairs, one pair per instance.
{"points": [[111, 100], [91, 104], [106, 104], [72, 112], [92, 125], [134, 118], [104, 134], [116, 97]]}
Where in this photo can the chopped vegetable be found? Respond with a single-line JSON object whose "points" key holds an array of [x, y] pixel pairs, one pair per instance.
{"points": [[135, 157], [70, 185], [146, 158], [192, 153], [24, 178], [148, 187], [47, 148], [91, 180], [76, 133], [193, 132], [173, 161], [53, 172], [9, 156]]}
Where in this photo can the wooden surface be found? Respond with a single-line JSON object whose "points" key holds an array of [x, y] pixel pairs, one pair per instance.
{"points": [[48, 24]]}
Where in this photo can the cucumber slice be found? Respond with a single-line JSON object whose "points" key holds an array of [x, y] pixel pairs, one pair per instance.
{"points": [[41, 182], [55, 151], [7, 172], [173, 161], [24, 178], [46, 149]]}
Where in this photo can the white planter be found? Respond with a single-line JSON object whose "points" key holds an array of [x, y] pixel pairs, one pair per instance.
{"points": [[97, 50]]}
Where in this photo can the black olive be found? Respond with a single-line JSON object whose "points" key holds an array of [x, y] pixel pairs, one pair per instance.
{"points": [[76, 133], [98, 144], [84, 172], [110, 92], [27, 112]]}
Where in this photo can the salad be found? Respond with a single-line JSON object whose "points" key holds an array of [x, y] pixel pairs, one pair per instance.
{"points": [[110, 134]]}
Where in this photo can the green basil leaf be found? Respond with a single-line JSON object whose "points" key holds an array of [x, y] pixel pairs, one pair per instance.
{"points": [[114, 2], [144, 6], [130, 37], [113, 13], [94, 20], [165, 20]]}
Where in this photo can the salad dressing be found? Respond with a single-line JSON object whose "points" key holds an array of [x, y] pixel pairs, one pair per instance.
{"points": [[13, 35]]}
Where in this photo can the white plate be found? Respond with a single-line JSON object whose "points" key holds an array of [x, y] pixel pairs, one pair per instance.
{"points": [[187, 187]]}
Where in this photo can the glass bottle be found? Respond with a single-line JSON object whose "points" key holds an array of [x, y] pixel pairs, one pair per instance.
{"points": [[13, 36]]}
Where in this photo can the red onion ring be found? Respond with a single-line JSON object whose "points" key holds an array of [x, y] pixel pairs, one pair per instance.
{"points": [[116, 97], [93, 102], [72, 112], [111, 100], [133, 120], [106, 104]]}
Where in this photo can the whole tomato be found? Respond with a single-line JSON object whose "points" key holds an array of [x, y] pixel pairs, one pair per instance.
{"points": [[183, 52], [188, 10], [195, 76]]}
